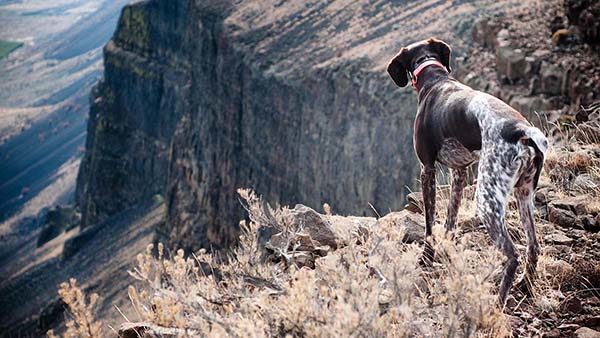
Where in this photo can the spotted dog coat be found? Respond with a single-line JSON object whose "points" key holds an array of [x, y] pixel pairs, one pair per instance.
{"points": [[458, 126]]}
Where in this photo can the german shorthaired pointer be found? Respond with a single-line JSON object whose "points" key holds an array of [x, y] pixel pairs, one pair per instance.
{"points": [[458, 126]]}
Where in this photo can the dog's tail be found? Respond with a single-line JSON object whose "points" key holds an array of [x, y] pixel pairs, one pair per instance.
{"points": [[518, 131], [538, 141]]}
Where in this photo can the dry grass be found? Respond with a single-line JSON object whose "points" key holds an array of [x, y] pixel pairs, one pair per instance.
{"points": [[82, 322], [371, 289], [573, 162]]}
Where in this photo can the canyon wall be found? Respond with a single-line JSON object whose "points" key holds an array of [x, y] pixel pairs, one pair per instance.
{"points": [[135, 108], [288, 98]]}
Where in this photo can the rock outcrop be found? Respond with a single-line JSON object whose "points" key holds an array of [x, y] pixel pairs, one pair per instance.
{"points": [[135, 108], [201, 98], [537, 63]]}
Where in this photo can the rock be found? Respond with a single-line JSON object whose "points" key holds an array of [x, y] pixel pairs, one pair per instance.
{"points": [[551, 79], [57, 221], [413, 223], [303, 259], [351, 227], [313, 224], [530, 105], [558, 272], [562, 217], [544, 195], [415, 202], [568, 327], [514, 321], [554, 333], [485, 31], [305, 230], [75, 243], [565, 211], [593, 321], [558, 238], [511, 63], [573, 305], [585, 332], [149, 330], [590, 223], [576, 204]]}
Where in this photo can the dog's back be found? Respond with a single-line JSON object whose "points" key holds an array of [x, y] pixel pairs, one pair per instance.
{"points": [[453, 111]]}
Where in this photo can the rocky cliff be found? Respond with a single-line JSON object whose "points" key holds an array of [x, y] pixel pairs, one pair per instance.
{"points": [[135, 108], [291, 99]]}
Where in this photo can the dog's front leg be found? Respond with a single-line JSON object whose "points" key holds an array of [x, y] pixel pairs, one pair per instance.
{"points": [[428, 188]]}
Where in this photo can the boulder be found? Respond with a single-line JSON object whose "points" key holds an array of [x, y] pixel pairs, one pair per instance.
{"points": [[551, 79], [554, 333], [149, 330], [585, 332], [562, 217], [415, 202], [559, 269], [530, 105], [558, 238], [414, 224], [485, 31], [573, 305], [312, 224], [511, 63], [305, 234], [575, 204], [57, 221]]}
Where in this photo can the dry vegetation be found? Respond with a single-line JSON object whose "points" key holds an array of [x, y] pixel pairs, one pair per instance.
{"points": [[371, 287], [81, 322]]}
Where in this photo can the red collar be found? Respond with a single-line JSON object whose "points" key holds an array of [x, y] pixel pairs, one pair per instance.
{"points": [[415, 74]]}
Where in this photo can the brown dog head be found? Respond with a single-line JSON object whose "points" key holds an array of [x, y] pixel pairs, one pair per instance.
{"points": [[410, 57]]}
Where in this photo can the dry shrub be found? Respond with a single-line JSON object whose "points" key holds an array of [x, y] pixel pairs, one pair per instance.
{"points": [[375, 288], [82, 322], [574, 170]]}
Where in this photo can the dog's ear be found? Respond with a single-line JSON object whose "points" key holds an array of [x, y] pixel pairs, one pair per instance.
{"points": [[397, 70], [443, 51]]}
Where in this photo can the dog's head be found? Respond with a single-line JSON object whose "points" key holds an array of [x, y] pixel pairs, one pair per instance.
{"points": [[410, 57]]}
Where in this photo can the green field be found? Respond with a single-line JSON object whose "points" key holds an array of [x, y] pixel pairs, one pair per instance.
{"points": [[6, 47]]}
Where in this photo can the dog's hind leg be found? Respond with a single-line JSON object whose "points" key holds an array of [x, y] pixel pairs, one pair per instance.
{"points": [[428, 187], [524, 195], [495, 180], [459, 178]]}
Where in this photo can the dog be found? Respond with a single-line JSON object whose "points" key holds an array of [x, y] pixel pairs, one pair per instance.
{"points": [[457, 126]]}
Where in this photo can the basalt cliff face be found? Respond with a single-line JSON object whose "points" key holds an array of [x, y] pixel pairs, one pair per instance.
{"points": [[291, 99], [135, 109]]}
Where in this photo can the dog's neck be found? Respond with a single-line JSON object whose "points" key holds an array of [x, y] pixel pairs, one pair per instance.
{"points": [[427, 74]]}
